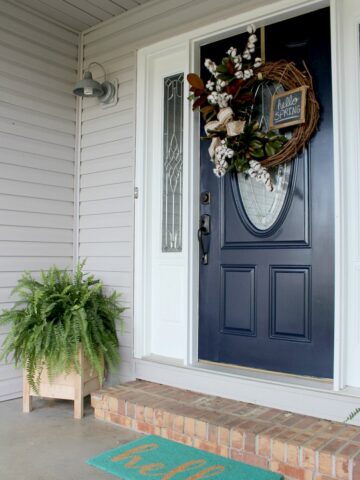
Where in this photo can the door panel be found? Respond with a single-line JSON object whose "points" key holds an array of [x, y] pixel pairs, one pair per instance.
{"points": [[267, 295]]}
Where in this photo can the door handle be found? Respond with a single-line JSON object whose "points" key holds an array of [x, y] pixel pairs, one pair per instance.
{"points": [[204, 231]]}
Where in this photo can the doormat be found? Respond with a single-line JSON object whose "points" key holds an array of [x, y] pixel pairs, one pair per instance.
{"points": [[158, 458]]}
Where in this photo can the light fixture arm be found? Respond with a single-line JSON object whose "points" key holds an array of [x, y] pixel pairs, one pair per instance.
{"points": [[99, 65]]}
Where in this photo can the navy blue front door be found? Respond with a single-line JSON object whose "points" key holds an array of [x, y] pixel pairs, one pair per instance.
{"points": [[267, 293]]}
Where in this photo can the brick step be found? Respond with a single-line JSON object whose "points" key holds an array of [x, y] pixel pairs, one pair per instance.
{"points": [[298, 446]]}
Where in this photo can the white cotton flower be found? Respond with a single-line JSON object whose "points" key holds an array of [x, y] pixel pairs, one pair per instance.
{"points": [[246, 54], [213, 98], [251, 48], [260, 174], [239, 74], [210, 65], [232, 52], [251, 28], [253, 38], [248, 73], [219, 171], [257, 63], [210, 85]]}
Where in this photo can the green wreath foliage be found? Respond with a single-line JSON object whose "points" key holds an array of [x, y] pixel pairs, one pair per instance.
{"points": [[57, 315]]}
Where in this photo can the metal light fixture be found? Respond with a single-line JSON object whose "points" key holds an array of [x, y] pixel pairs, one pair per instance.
{"points": [[88, 87]]}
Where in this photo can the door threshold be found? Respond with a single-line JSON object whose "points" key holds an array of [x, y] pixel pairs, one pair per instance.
{"points": [[265, 375]]}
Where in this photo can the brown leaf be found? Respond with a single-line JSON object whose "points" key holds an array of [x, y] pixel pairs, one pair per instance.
{"points": [[195, 81], [230, 67], [199, 102]]}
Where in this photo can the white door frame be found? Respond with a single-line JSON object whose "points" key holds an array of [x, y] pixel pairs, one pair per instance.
{"points": [[191, 375]]}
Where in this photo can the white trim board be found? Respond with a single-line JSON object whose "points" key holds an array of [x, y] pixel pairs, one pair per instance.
{"points": [[303, 399]]}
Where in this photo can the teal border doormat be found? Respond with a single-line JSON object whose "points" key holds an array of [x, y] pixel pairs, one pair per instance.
{"points": [[154, 457]]}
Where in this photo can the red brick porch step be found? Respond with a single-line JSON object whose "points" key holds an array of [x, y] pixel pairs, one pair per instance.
{"points": [[299, 447]]}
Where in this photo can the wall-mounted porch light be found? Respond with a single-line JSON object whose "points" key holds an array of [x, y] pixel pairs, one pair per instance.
{"points": [[106, 92]]}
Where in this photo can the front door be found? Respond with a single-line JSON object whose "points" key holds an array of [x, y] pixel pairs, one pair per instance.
{"points": [[267, 292]]}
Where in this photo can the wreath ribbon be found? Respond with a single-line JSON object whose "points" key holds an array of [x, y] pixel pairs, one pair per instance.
{"points": [[225, 123]]}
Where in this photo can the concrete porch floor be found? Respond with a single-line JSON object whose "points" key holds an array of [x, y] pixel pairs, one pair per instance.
{"points": [[48, 444]]}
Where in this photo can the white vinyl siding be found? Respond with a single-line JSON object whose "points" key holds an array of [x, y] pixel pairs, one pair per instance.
{"points": [[37, 139]]}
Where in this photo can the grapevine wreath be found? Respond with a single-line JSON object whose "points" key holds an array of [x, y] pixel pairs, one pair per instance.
{"points": [[226, 102]]}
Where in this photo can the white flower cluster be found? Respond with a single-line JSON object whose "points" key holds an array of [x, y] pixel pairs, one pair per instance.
{"points": [[216, 87], [260, 174], [222, 153], [221, 99]]}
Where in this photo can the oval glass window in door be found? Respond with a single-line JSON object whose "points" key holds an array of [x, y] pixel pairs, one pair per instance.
{"points": [[261, 206]]}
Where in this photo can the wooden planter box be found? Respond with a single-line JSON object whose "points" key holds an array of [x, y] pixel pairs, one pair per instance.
{"points": [[74, 386]]}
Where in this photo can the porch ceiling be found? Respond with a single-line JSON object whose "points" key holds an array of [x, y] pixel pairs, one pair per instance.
{"points": [[79, 14]]}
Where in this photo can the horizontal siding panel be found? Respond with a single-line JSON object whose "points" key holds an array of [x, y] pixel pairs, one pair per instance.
{"points": [[121, 175], [126, 294], [119, 264], [39, 119], [117, 234], [10, 279], [110, 121], [28, 32], [117, 63], [124, 103], [35, 234], [19, 99], [37, 64], [106, 220], [14, 172], [111, 205], [107, 163], [35, 219], [33, 263], [27, 130], [120, 249], [26, 249], [107, 135], [12, 157], [13, 70], [9, 371], [38, 91], [24, 17], [35, 190], [6, 297], [25, 204], [35, 49], [99, 151], [106, 191], [115, 279], [10, 389], [36, 146], [126, 339]]}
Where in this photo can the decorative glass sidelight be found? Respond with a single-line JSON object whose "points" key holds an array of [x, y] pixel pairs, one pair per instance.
{"points": [[172, 163]]}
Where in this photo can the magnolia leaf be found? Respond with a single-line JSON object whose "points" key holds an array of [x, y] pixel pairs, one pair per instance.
{"points": [[221, 69], [269, 149], [257, 153], [195, 81]]}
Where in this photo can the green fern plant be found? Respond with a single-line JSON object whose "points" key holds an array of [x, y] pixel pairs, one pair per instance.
{"points": [[56, 316]]}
